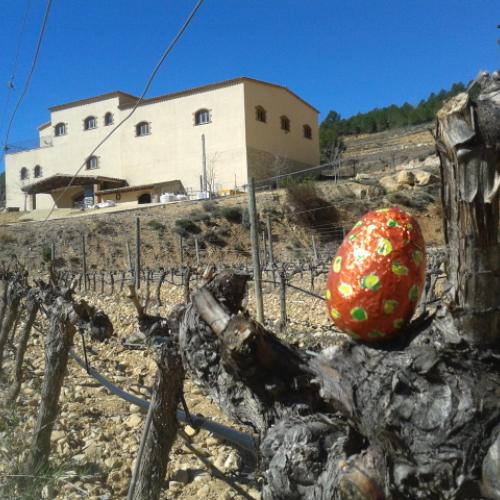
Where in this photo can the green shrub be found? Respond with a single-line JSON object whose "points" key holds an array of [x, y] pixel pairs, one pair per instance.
{"points": [[46, 254], [199, 216], [232, 214], [185, 227], [209, 206], [214, 239], [156, 225]]}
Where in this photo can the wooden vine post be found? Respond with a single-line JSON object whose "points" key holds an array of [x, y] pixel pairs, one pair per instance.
{"points": [[57, 344], [160, 428], [468, 144], [32, 308]]}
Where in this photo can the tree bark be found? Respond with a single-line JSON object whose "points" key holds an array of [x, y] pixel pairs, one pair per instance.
{"points": [[468, 144]]}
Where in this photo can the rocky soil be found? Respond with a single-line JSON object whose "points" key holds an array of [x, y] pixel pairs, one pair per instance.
{"points": [[97, 435]]}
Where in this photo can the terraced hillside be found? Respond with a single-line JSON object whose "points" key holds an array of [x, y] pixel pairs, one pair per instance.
{"points": [[368, 152]]}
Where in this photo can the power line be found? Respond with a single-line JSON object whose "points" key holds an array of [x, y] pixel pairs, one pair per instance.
{"points": [[165, 54], [32, 70], [10, 83]]}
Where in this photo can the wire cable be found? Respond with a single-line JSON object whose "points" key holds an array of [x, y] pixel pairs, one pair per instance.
{"points": [[10, 83], [149, 82], [31, 72]]}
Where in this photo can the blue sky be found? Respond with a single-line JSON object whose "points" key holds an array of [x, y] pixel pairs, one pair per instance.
{"points": [[349, 55]]}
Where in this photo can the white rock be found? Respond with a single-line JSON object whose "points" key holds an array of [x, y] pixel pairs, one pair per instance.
{"points": [[133, 421]]}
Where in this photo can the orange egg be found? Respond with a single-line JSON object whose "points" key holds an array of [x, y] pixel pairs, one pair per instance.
{"points": [[377, 276]]}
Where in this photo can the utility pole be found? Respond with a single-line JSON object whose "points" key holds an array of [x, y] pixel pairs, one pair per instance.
{"points": [[204, 159], [137, 253], [254, 238]]}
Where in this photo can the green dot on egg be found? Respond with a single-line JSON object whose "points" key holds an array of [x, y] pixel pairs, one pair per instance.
{"points": [[359, 314], [413, 293], [399, 269]]}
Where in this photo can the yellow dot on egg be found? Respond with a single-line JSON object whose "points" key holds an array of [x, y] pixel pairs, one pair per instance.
{"points": [[345, 290], [337, 264], [390, 306], [335, 314], [328, 294]]}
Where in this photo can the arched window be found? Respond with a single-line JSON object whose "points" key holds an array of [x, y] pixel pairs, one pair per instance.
{"points": [[91, 163], [260, 114], [108, 118], [89, 123], [307, 132], [37, 171], [201, 117], [60, 129], [285, 123], [142, 128], [23, 174]]}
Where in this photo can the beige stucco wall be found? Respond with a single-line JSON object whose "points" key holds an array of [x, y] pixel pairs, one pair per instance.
{"points": [[173, 150], [67, 153], [271, 150]]}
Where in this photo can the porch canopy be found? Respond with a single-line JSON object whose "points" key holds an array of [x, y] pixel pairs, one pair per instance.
{"points": [[58, 181]]}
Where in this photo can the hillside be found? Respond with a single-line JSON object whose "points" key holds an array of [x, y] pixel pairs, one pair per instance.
{"points": [[385, 150]]}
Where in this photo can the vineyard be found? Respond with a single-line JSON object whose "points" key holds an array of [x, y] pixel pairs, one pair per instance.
{"points": [[224, 378]]}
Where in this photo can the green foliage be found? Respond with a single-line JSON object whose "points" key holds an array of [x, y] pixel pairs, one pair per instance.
{"points": [[156, 225], [186, 227], [46, 254], [214, 238], [334, 127], [199, 216], [209, 206], [232, 214]]}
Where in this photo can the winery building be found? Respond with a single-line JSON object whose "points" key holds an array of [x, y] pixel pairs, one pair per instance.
{"points": [[210, 138]]}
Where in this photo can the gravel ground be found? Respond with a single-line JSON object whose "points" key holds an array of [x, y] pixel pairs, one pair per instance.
{"points": [[96, 437]]}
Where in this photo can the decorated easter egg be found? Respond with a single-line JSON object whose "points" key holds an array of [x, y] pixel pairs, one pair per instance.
{"points": [[377, 276]]}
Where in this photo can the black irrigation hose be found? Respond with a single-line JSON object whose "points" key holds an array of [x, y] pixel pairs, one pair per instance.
{"points": [[241, 439]]}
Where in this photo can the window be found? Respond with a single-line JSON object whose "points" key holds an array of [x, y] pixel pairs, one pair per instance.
{"points": [[60, 129], [89, 123], [142, 128], [260, 114], [307, 132], [108, 119], [23, 174], [37, 171], [92, 163], [201, 117], [285, 124]]}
